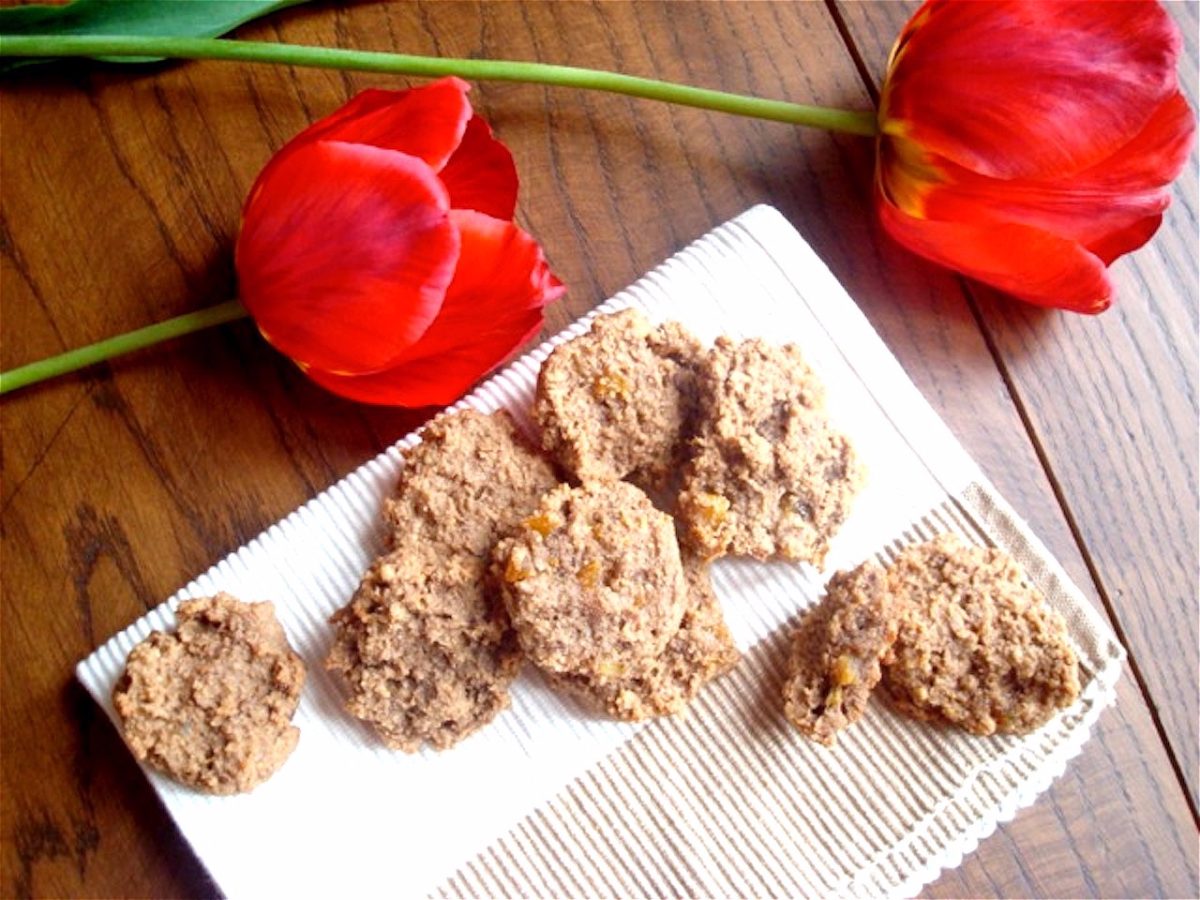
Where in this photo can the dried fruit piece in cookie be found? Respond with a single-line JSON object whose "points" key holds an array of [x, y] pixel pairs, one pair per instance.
{"points": [[769, 477], [836, 653], [470, 480], [211, 703], [619, 401], [593, 579], [701, 650], [978, 645], [425, 648]]}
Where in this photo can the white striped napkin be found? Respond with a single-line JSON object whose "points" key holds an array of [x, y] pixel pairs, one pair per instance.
{"points": [[550, 800]]}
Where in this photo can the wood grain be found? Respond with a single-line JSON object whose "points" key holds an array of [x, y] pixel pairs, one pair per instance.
{"points": [[121, 192], [1112, 403]]}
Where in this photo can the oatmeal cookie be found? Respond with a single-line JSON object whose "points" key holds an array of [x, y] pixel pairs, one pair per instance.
{"points": [[211, 703], [619, 401], [593, 579], [978, 646], [425, 647], [470, 480], [836, 653], [701, 650], [769, 477], [425, 644]]}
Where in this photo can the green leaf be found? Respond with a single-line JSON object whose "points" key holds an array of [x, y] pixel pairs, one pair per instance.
{"points": [[140, 18]]}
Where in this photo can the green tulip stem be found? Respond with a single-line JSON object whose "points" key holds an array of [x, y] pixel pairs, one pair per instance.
{"points": [[123, 343], [848, 121]]}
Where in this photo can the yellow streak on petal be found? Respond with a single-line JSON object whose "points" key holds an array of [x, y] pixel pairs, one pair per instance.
{"points": [[908, 174]]}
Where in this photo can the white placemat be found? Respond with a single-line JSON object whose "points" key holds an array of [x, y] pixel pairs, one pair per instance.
{"points": [[550, 800]]}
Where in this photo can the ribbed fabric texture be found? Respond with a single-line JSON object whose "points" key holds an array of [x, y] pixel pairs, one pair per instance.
{"points": [[550, 800], [730, 802]]}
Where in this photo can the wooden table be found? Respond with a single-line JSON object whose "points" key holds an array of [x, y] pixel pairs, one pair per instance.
{"points": [[121, 192]]}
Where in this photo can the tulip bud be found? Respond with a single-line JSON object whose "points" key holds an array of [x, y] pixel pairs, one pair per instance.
{"points": [[378, 250], [1029, 143]]}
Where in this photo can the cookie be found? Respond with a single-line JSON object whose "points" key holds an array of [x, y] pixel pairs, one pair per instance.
{"points": [[425, 647], [836, 653], [211, 703], [769, 477], [593, 580], [619, 401], [470, 480], [978, 646], [701, 650]]}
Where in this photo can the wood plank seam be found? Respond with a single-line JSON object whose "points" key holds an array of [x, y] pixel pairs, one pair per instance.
{"points": [[1084, 552], [860, 64]]}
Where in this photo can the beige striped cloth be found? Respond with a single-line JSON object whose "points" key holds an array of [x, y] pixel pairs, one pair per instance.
{"points": [[728, 800]]}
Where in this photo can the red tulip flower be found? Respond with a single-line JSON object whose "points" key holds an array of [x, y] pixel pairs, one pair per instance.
{"points": [[378, 250], [1029, 143], [1025, 143]]}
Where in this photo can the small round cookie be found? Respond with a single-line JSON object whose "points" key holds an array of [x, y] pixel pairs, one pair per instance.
{"points": [[768, 477], [593, 580], [472, 478], [701, 650], [978, 646], [425, 647], [836, 653], [211, 703], [619, 401]]}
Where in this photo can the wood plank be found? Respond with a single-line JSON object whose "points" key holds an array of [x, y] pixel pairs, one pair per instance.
{"points": [[120, 202], [1112, 401]]}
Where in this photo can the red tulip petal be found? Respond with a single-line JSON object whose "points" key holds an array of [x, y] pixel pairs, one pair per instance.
{"points": [[1074, 209], [1156, 154], [493, 306], [1126, 191], [1032, 265], [426, 122], [481, 174], [1029, 88], [1118, 243], [345, 254], [501, 275]]}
